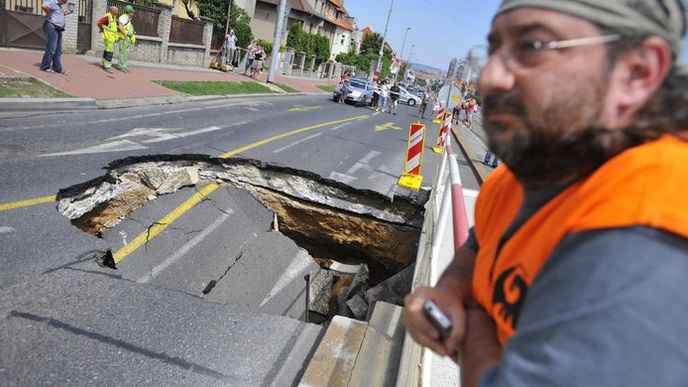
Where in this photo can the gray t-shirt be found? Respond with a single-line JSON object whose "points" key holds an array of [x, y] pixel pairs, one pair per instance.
{"points": [[56, 16], [606, 309]]}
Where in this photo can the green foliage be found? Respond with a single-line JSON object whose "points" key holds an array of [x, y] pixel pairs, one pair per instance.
{"points": [[421, 82], [311, 44], [243, 34], [267, 46], [215, 87], [217, 11]]}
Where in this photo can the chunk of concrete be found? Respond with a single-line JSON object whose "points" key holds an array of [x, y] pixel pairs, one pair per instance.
{"points": [[358, 307], [166, 179], [358, 287], [393, 290], [320, 291]]}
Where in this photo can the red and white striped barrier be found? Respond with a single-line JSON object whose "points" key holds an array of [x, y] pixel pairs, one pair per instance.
{"points": [[459, 218], [412, 178], [438, 117], [442, 134]]}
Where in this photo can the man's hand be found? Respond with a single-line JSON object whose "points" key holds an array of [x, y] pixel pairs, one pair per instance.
{"points": [[481, 349], [422, 330]]}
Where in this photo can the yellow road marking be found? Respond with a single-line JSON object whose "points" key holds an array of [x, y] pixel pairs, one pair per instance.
{"points": [[162, 224], [27, 203], [389, 125], [196, 198], [281, 136], [302, 108]]}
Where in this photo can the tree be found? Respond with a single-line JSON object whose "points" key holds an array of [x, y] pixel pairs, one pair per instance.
{"points": [[267, 45], [243, 34], [217, 11]]}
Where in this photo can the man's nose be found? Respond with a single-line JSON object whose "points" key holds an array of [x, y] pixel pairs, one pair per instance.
{"points": [[495, 76]]}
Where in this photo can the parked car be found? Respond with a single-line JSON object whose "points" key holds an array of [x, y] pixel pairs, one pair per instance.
{"points": [[408, 98], [360, 92]]}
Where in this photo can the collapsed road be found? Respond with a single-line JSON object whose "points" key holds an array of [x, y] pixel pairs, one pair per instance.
{"points": [[183, 264]]}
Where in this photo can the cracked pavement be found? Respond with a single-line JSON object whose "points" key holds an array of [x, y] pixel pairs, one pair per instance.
{"points": [[68, 320]]}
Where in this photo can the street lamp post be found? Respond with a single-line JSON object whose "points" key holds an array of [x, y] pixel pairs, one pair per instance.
{"points": [[403, 44], [408, 62], [382, 47]]}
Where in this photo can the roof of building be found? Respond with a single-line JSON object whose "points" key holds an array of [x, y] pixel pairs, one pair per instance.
{"points": [[303, 6]]}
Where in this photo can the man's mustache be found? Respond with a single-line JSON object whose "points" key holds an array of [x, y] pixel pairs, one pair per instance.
{"points": [[509, 102]]}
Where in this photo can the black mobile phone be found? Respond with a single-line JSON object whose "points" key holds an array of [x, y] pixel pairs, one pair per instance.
{"points": [[437, 318]]}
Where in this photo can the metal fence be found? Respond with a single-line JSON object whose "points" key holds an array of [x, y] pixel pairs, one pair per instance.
{"points": [[25, 6], [145, 20], [186, 31]]}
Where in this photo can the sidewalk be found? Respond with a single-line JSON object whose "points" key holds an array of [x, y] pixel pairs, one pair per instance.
{"points": [[86, 79]]}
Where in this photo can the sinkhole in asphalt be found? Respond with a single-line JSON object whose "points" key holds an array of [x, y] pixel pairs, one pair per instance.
{"points": [[335, 223]]}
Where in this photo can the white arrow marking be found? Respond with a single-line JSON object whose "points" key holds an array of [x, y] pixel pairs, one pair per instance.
{"points": [[296, 267], [116, 146]]}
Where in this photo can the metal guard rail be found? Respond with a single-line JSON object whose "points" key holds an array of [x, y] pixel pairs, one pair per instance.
{"points": [[448, 187]]}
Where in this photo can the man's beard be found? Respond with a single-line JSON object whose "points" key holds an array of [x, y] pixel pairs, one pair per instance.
{"points": [[562, 144]]}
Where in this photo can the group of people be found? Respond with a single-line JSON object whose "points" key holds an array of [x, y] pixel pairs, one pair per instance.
{"points": [[386, 96], [256, 56], [468, 108], [114, 29], [574, 272]]}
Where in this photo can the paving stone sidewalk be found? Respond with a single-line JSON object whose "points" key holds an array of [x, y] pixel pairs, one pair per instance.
{"points": [[86, 79]]}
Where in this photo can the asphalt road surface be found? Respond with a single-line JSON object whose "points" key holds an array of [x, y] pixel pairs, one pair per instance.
{"points": [[69, 320]]}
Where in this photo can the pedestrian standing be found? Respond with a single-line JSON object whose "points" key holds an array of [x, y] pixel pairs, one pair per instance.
{"points": [[394, 93], [384, 94], [250, 54], [125, 39], [376, 94], [110, 31], [257, 65], [424, 102], [53, 26], [230, 48], [470, 109]]}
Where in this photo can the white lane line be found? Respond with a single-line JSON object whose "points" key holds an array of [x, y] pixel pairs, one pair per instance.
{"points": [[343, 178], [6, 230], [341, 126], [137, 116], [186, 248], [297, 142], [376, 113], [116, 146], [295, 268], [364, 162]]}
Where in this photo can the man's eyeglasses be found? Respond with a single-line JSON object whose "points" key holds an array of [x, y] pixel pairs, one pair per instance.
{"points": [[529, 52]]}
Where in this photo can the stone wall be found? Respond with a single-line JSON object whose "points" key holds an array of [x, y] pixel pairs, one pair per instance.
{"points": [[186, 54], [70, 33], [155, 49]]}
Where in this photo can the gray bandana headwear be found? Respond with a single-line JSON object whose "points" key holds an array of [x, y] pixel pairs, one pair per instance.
{"points": [[664, 18]]}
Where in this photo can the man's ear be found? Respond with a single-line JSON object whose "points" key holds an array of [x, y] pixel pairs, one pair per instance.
{"points": [[641, 71]]}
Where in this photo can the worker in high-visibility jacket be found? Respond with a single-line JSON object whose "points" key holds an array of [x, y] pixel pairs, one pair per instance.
{"points": [[127, 38], [110, 32]]}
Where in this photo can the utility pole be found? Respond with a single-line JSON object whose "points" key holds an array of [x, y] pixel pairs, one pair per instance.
{"points": [[382, 47], [274, 63], [224, 43], [403, 44]]}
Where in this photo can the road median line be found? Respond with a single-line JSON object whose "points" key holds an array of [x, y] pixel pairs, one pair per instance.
{"points": [[27, 203]]}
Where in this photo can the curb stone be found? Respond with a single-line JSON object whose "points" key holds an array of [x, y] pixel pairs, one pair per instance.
{"points": [[46, 104]]}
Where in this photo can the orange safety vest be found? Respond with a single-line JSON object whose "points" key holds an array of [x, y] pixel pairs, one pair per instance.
{"points": [[643, 186]]}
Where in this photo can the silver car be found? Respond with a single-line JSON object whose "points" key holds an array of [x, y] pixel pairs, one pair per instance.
{"points": [[408, 98], [360, 92]]}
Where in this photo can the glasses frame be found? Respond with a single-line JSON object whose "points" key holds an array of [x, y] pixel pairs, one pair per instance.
{"points": [[540, 46]]}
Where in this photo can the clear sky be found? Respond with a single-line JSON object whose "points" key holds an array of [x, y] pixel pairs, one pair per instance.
{"points": [[440, 29]]}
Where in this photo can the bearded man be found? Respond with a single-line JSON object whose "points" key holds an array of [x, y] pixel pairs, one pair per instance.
{"points": [[574, 272]]}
